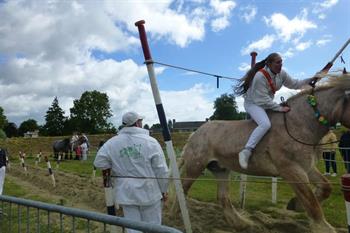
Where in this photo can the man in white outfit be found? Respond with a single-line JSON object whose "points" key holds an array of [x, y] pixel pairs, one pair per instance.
{"points": [[133, 153], [2, 168]]}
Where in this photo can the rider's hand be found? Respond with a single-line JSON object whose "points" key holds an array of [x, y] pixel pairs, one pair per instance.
{"points": [[285, 109]]}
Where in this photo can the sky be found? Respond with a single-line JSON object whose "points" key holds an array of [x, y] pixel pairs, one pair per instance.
{"points": [[63, 48]]}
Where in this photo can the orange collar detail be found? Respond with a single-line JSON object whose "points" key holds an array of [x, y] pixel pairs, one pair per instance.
{"points": [[269, 80]]}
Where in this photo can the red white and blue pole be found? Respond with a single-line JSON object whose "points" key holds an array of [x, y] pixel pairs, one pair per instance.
{"points": [[166, 133]]}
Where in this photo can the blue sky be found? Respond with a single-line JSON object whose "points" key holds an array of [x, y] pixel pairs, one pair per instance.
{"points": [[63, 48]]}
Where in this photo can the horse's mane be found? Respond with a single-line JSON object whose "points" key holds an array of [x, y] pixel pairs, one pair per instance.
{"points": [[341, 82]]}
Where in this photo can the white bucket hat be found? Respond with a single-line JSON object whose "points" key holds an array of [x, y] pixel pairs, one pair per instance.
{"points": [[130, 118]]}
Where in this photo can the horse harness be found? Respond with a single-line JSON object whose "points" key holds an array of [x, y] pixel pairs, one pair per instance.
{"points": [[313, 103]]}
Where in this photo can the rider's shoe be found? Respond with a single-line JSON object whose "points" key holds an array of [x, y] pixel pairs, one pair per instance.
{"points": [[243, 158]]}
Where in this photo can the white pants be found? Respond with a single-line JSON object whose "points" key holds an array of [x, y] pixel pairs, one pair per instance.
{"points": [[2, 178], [258, 114], [150, 214]]}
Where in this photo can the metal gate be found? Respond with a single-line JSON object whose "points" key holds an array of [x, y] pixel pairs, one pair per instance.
{"points": [[24, 216]]}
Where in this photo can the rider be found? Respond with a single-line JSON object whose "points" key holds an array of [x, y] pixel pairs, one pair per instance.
{"points": [[258, 88]]}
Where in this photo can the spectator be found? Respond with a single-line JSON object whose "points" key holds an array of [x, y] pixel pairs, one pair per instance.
{"points": [[84, 150], [328, 152], [344, 148], [134, 153], [3, 154]]}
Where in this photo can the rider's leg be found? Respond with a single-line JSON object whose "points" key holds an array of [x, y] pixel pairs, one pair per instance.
{"points": [[258, 114]]}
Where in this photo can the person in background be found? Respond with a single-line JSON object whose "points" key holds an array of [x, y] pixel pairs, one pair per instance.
{"points": [[328, 152], [84, 150], [87, 142], [344, 148], [134, 153], [258, 88], [3, 154], [78, 152]]}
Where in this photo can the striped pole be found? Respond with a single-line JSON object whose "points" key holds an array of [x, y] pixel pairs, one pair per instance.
{"points": [[109, 196], [166, 133], [38, 158], [8, 165], [58, 161], [21, 157], [345, 181], [50, 171], [94, 172], [107, 184]]}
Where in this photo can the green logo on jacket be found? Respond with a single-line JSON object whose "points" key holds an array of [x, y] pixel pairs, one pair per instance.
{"points": [[131, 151]]}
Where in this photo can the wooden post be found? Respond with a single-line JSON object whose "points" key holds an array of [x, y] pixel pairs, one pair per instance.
{"points": [[274, 190]]}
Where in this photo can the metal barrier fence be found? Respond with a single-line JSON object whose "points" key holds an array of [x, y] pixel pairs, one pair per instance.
{"points": [[46, 218]]}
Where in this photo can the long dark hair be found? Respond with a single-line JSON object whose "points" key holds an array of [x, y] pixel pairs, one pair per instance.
{"points": [[245, 82]]}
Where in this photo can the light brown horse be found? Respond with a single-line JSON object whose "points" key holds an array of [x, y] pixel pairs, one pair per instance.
{"points": [[216, 144]]}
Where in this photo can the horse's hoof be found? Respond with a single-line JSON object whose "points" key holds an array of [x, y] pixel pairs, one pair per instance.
{"points": [[323, 227]]}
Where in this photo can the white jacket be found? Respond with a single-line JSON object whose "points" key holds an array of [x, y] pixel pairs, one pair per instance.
{"points": [[134, 153], [259, 92]]}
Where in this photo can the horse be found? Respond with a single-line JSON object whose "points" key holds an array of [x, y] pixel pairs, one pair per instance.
{"points": [[289, 150], [66, 146]]}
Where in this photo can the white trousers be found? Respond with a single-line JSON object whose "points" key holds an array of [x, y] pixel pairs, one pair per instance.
{"points": [[2, 178], [150, 214], [258, 114]]}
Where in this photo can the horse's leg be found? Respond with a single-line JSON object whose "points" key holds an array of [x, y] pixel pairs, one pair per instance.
{"points": [[299, 181], [190, 170], [323, 187], [231, 214]]}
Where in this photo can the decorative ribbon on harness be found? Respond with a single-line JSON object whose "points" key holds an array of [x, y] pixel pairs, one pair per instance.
{"points": [[311, 99], [269, 80]]}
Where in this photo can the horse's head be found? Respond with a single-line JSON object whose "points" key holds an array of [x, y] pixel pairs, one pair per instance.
{"points": [[341, 110], [317, 109]]}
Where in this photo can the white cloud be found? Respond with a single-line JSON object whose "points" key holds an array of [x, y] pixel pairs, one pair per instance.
{"points": [[303, 45], [248, 13], [289, 53], [288, 29], [324, 40], [60, 48], [244, 67], [319, 8], [260, 45], [222, 9]]}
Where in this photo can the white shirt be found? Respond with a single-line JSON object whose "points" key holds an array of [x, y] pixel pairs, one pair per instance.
{"points": [[134, 153], [260, 93]]}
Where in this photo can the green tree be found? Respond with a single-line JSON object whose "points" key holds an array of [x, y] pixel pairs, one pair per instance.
{"points": [[54, 119], [91, 112], [226, 108], [2, 134], [11, 130], [3, 119], [29, 125]]}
